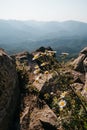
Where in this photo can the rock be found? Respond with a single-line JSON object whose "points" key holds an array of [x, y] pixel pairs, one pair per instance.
{"points": [[49, 87], [37, 115], [84, 51], [43, 119], [85, 64], [23, 57], [9, 91], [41, 85], [78, 63], [29, 103], [84, 92], [78, 87], [78, 77]]}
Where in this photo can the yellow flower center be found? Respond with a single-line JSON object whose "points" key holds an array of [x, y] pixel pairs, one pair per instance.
{"points": [[62, 103]]}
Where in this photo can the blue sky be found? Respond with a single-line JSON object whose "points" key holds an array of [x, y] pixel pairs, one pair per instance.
{"points": [[44, 10]]}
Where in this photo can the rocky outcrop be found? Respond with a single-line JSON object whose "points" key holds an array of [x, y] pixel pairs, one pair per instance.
{"points": [[35, 114], [53, 95], [9, 91]]}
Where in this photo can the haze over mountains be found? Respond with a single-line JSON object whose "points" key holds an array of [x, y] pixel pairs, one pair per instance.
{"points": [[69, 36]]}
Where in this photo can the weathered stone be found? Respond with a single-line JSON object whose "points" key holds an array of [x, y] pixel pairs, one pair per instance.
{"points": [[78, 63], [78, 87], [43, 119], [23, 57], [49, 87], [85, 64], [84, 51], [78, 77], [84, 92], [9, 91]]}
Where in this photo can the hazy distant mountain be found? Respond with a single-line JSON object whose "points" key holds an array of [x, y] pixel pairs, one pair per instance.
{"points": [[64, 36]]}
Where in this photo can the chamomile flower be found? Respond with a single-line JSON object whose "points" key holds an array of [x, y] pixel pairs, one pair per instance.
{"points": [[36, 71], [44, 63], [37, 80], [46, 72], [36, 56], [64, 53], [63, 94], [36, 67], [51, 93], [62, 103]]}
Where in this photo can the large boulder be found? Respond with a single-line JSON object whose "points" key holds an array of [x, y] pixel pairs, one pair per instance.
{"points": [[85, 64], [80, 65], [84, 51], [43, 119], [9, 91], [84, 92], [79, 61]]}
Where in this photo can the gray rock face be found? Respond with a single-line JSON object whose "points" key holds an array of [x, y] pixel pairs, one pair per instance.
{"points": [[8, 90]]}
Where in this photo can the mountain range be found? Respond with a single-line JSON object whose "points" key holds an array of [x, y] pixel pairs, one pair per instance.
{"points": [[67, 36]]}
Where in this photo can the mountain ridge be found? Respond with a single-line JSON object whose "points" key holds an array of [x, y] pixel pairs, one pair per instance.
{"points": [[16, 35]]}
